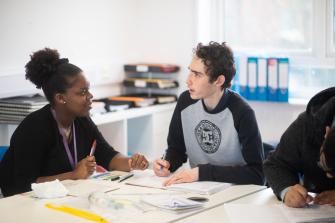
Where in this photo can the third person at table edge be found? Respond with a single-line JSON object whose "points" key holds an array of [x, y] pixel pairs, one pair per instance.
{"points": [[304, 159], [212, 126]]}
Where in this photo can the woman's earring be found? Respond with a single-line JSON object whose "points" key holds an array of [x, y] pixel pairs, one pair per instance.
{"points": [[64, 102]]}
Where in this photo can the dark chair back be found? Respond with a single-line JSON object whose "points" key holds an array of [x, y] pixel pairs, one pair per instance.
{"points": [[268, 148]]}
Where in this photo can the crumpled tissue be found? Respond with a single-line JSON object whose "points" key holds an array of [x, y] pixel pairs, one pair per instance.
{"points": [[52, 189]]}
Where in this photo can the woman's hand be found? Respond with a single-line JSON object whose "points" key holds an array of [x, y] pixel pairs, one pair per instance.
{"points": [[138, 162], [85, 168]]}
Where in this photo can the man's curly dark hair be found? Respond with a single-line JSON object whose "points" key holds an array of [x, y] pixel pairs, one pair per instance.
{"points": [[218, 59]]}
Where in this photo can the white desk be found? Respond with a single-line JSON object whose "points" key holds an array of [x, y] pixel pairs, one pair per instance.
{"points": [[218, 214], [23, 208]]}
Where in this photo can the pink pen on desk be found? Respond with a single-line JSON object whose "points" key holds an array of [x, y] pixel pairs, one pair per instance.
{"points": [[94, 144]]}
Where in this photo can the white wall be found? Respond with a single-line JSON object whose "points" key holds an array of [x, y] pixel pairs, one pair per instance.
{"points": [[164, 31], [98, 36], [274, 118]]}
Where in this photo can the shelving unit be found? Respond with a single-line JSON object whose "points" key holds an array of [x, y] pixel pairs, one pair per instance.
{"points": [[134, 130], [150, 79]]}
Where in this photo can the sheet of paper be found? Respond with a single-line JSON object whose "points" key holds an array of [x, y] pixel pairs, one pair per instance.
{"points": [[82, 188], [279, 213], [238, 213], [312, 213], [149, 179], [201, 187], [146, 178]]}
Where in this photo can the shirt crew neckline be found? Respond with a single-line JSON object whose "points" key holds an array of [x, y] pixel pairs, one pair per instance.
{"points": [[221, 105]]}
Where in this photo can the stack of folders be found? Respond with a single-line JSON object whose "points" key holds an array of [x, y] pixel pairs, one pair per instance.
{"points": [[150, 83], [262, 79], [159, 98], [115, 105], [150, 67], [13, 110], [122, 102], [173, 203], [136, 100]]}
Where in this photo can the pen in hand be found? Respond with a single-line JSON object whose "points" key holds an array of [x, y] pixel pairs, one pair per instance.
{"points": [[93, 148], [163, 158]]}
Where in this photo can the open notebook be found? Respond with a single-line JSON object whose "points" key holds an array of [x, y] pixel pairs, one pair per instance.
{"points": [[149, 179]]}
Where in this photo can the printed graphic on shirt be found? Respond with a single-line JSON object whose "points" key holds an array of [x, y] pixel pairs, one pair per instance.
{"points": [[208, 136]]}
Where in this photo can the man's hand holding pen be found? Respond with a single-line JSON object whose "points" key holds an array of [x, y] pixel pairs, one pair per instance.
{"points": [[161, 167]]}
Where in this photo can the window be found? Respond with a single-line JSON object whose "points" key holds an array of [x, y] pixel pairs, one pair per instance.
{"points": [[330, 28], [269, 25], [258, 26], [303, 30]]}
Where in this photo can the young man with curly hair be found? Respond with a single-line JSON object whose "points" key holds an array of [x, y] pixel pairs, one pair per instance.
{"points": [[212, 126]]}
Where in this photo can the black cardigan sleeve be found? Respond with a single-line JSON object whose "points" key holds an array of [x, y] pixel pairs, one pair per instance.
{"points": [[28, 152]]}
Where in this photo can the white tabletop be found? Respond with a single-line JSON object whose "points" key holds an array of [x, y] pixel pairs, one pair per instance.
{"points": [[218, 214], [25, 208]]}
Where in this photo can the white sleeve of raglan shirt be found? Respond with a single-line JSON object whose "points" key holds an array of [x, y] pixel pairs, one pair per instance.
{"points": [[283, 193]]}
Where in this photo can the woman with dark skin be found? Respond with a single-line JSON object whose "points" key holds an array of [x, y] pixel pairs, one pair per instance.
{"points": [[55, 141]]}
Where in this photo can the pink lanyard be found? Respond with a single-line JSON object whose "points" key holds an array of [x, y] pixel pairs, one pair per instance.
{"points": [[73, 161]]}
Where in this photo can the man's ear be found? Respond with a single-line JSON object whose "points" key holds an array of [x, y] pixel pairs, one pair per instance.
{"points": [[59, 99], [220, 80], [327, 131]]}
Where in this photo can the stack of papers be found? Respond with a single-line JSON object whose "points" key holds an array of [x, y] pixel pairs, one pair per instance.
{"points": [[171, 203], [15, 109]]}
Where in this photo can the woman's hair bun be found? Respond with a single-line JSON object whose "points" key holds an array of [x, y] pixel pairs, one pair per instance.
{"points": [[42, 65]]}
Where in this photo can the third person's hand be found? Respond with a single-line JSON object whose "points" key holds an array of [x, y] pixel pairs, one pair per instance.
{"points": [[325, 197], [297, 197]]}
